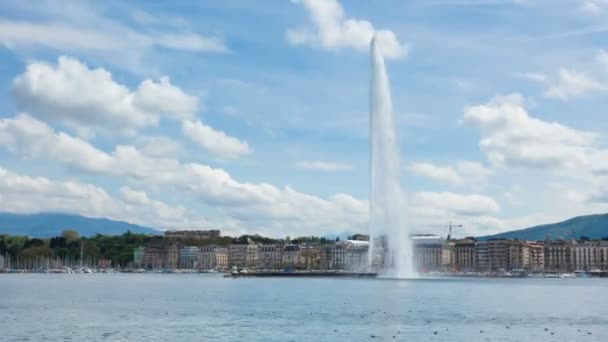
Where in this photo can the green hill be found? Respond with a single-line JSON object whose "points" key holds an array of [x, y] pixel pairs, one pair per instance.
{"points": [[591, 226]]}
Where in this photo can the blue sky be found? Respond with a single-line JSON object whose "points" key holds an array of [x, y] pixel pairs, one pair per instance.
{"points": [[253, 117]]}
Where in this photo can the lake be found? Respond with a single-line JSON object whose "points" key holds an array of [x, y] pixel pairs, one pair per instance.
{"points": [[178, 307]]}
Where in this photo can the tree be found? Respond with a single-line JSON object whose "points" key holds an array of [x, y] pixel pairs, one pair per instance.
{"points": [[70, 235], [33, 243]]}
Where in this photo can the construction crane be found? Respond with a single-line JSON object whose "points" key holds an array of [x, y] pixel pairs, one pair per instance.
{"points": [[449, 226]]}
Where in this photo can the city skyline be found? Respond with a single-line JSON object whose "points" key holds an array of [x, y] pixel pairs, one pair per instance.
{"points": [[202, 115]]}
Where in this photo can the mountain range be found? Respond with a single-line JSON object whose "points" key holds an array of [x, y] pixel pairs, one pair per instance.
{"points": [[51, 224], [591, 226]]}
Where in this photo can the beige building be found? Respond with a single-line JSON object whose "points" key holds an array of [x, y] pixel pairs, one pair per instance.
{"points": [[152, 258], [537, 256], [270, 256], [291, 256], [170, 256], [213, 257], [243, 255], [590, 255], [463, 255], [558, 256], [314, 257]]}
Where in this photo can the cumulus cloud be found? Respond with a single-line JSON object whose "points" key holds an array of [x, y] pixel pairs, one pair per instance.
{"points": [[27, 194], [568, 83], [159, 146], [318, 165], [511, 136], [464, 172], [86, 99], [216, 142], [333, 30], [571, 83], [257, 206]]}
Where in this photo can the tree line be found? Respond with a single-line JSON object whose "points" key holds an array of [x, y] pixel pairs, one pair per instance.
{"points": [[69, 246]]}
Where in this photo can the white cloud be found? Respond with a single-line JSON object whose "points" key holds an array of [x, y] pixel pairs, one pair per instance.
{"points": [[26, 194], [593, 7], [81, 28], [216, 142], [602, 58], [192, 42], [323, 166], [333, 30], [159, 146], [463, 204], [510, 136], [260, 207], [464, 172], [571, 83], [86, 99]]}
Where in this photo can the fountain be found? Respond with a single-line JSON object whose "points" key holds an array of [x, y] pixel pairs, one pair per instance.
{"points": [[390, 248]]}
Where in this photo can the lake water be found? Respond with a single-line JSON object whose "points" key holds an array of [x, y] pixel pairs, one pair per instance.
{"points": [[166, 307]]}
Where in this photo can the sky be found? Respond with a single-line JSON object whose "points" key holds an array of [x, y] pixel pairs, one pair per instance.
{"points": [[253, 117]]}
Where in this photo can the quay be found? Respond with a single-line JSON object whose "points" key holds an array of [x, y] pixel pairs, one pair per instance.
{"points": [[302, 274]]}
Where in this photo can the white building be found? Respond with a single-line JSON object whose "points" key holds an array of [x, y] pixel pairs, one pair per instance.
{"points": [[349, 255]]}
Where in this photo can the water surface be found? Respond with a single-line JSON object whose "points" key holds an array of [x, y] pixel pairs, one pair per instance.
{"points": [[159, 307]]}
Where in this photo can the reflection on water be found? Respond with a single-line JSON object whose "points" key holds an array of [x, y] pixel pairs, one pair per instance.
{"points": [[154, 307]]}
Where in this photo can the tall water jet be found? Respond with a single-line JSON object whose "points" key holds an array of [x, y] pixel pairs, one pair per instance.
{"points": [[390, 247]]}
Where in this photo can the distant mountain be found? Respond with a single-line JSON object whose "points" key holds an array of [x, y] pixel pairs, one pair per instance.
{"points": [[49, 224], [591, 226]]}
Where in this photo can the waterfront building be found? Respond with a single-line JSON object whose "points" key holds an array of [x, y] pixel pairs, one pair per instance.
{"points": [[192, 234], [138, 256], [243, 255], [291, 256], [498, 255], [349, 255], [188, 257], [170, 256], [558, 256], [429, 254], [463, 255], [213, 257], [590, 255], [537, 256], [314, 257], [152, 257], [270, 256], [481, 256], [2, 266]]}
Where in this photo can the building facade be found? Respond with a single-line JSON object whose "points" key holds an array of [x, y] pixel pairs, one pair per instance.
{"points": [[213, 257], [558, 256], [270, 256], [590, 255], [243, 255], [188, 257], [350, 255]]}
